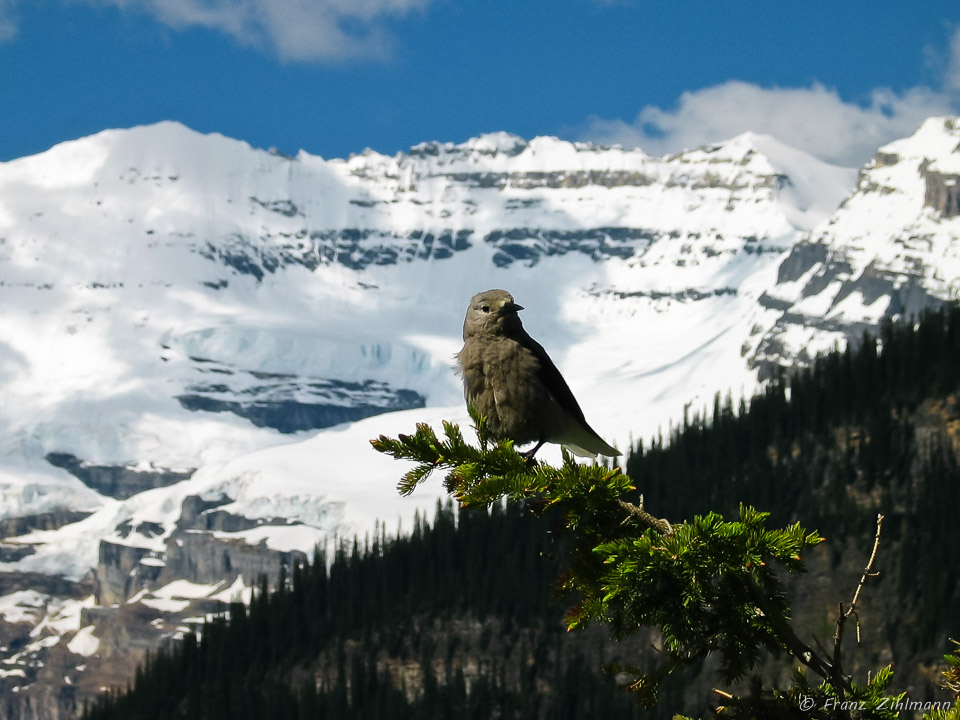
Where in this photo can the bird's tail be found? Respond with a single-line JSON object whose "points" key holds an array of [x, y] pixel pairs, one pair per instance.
{"points": [[584, 442]]}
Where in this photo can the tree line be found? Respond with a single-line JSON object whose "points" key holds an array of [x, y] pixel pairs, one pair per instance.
{"points": [[872, 429], [869, 430]]}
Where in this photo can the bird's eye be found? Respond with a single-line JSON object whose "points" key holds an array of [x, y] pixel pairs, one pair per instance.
{"points": [[485, 308]]}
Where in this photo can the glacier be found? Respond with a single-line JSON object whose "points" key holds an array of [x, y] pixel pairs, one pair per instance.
{"points": [[230, 326]]}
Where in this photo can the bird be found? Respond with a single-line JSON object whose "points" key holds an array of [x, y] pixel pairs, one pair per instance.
{"points": [[509, 379]]}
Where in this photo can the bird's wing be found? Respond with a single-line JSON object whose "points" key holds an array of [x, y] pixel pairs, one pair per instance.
{"points": [[551, 378], [584, 440]]}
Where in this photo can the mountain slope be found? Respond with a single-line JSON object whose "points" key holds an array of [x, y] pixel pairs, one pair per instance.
{"points": [[459, 619], [890, 249], [174, 292], [199, 338]]}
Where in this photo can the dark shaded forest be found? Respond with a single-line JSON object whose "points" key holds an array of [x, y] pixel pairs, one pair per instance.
{"points": [[393, 598], [875, 429], [460, 618]]}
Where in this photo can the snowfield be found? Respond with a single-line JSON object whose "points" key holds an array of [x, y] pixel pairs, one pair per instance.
{"points": [[167, 295]]}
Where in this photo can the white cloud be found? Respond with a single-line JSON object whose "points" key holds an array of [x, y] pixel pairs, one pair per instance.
{"points": [[294, 29], [815, 119]]}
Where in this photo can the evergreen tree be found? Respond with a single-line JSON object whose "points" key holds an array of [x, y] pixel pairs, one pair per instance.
{"points": [[830, 446], [709, 585]]}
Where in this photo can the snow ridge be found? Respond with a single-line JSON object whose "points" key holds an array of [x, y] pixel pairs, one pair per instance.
{"points": [[245, 322]]}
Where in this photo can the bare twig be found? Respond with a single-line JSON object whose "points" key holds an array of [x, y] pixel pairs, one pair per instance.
{"points": [[826, 666], [867, 570], [637, 512], [842, 614]]}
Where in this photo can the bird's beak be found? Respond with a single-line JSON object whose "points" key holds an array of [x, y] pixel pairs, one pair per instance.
{"points": [[510, 307]]}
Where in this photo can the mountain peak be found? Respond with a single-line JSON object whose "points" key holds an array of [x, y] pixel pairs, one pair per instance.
{"points": [[490, 144], [177, 300], [937, 140], [495, 143], [161, 137]]}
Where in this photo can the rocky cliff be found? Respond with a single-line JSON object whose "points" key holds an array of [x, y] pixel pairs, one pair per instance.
{"points": [[200, 338]]}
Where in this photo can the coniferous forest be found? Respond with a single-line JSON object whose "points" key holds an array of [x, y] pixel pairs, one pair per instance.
{"points": [[460, 618], [397, 597], [872, 430]]}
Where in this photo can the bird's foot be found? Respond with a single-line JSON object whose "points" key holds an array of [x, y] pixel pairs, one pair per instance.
{"points": [[528, 455]]}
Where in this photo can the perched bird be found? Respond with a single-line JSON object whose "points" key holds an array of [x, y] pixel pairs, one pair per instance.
{"points": [[509, 378]]}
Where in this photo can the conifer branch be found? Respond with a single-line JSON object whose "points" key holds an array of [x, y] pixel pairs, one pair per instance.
{"points": [[636, 511], [632, 569], [951, 675]]}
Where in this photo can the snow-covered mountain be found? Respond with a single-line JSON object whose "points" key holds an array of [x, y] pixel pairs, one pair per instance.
{"points": [[891, 248], [198, 338]]}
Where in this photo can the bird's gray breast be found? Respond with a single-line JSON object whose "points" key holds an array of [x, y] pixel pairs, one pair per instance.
{"points": [[501, 379]]}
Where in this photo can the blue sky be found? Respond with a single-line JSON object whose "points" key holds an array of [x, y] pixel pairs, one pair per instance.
{"points": [[336, 76]]}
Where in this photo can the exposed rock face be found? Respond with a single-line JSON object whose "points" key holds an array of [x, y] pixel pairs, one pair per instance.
{"points": [[201, 558], [887, 251], [354, 248], [116, 480], [450, 187], [684, 229], [51, 702], [12, 549], [135, 598], [193, 552], [489, 649], [295, 405], [825, 272], [529, 245], [803, 257], [13, 526], [44, 584], [119, 573], [38, 675], [886, 159], [941, 192]]}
